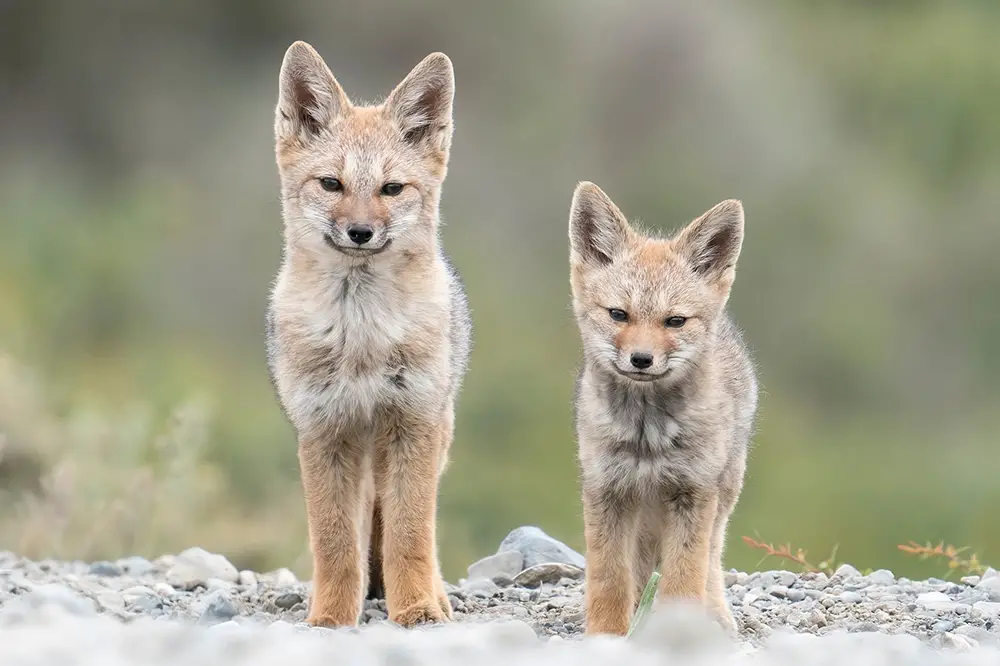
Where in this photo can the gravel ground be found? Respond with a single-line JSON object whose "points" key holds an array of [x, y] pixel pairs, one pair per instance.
{"points": [[524, 602]]}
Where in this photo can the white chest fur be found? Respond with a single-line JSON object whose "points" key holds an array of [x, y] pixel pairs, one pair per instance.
{"points": [[345, 358]]}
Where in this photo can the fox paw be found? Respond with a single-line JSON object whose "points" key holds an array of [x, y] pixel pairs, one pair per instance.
{"points": [[445, 603], [423, 612], [330, 621]]}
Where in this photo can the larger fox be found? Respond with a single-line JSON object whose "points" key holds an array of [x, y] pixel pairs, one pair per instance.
{"points": [[368, 331], [665, 404]]}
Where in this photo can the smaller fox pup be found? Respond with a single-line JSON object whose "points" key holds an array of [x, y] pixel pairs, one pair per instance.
{"points": [[665, 405], [368, 331]]}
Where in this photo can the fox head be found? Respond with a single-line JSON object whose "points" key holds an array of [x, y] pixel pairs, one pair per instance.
{"points": [[358, 180], [648, 308]]}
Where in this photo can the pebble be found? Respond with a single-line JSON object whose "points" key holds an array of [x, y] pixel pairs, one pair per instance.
{"points": [[537, 547], [195, 566], [547, 598], [507, 563]]}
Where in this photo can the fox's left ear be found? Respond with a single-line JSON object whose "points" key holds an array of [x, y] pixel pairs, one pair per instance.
{"points": [[421, 104], [712, 243]]}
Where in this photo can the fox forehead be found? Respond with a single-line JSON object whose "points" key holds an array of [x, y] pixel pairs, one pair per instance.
{"points": [[363, 144], [650, 280]]}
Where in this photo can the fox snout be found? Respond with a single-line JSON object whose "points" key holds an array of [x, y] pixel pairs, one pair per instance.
{"points": [[360, 233]]}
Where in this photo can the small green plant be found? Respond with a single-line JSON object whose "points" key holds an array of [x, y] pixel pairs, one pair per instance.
{"points": [[645, 603], [798, 556], [968, 566]]}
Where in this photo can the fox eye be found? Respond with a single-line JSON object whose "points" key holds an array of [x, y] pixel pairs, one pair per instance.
{"points": [[331, 184], [618, 315], [675, 321], [392, 189]]}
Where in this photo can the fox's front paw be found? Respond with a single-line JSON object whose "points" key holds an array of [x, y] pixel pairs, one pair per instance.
{"points": [[422, 612], [442, 597], [330, 621]]}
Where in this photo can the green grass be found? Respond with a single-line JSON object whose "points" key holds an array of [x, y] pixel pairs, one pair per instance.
{"points": [[645, 603]]}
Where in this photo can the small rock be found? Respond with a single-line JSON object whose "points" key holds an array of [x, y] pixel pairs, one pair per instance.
{"points": [[970, 580], [881, 577], [247, 579], [288, 600], [817, 618], [502, 581], [850, 597], [279, 578], [374, 614], [481, 587], [164, 590], [730, 578], [195, 566], [547, 573], [537, 547], [943, 626], [990, 586], [52, 594], [107, 569], [988, 608], [219, 607], [786, 578], [779, 591], [136, 566], [845, 571], [959, 642], [507, 563], [795, 595]]}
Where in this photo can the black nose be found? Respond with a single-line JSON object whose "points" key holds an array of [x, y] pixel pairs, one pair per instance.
{"points": [[642, 360], [360, 233]]}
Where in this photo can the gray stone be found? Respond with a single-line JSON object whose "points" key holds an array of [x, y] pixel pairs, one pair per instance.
{"points": [[845, 571], [136, 566], [51, 595], [109, 569], [988, 608], [547, 573], [247, 579], [288, 600], [537, 547], [374, 614], [508, 563], [881, 577], [279, 578], [195, 566], [481, 587], [796, 595], [943, 626], [779, 591], [503, 581], [786, 578], [990, 586], [218, 607], [850, 597], [990, 573]]}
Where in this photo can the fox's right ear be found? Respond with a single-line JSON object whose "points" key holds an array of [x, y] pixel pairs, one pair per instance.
{"points": [[598, 230], [309, 97]]}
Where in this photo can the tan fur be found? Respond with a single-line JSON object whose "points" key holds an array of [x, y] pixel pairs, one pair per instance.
{"points": [[662, 447], [367, 343]]}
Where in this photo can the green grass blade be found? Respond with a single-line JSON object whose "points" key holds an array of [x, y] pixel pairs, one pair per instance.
{"points": [[645, 603]]}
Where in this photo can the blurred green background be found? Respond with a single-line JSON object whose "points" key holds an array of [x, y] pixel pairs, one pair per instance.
{"points": [[140, 229]]}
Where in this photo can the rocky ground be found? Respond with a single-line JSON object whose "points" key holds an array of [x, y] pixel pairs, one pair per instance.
{"points": [[527, 597]]}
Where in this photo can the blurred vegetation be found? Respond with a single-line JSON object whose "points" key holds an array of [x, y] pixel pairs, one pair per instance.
{"points": [[140, 229]]}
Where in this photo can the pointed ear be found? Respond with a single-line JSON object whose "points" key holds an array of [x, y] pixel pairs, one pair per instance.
{"points": [[309, 97], [712, 243], [598, 231], [421, 104]]}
